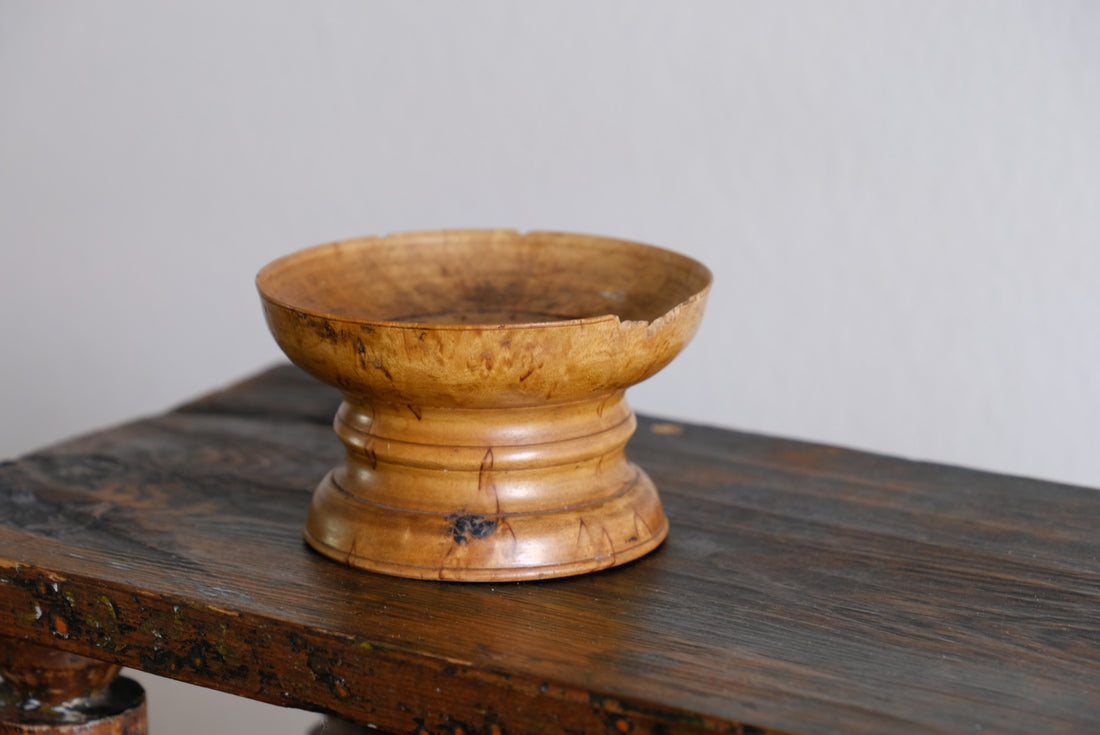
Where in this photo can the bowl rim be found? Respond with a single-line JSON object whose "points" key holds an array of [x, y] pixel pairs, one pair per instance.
{"points": [[266, 271]]}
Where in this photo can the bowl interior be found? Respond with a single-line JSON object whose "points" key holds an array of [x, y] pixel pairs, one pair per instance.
{"points": [[483, 277]]}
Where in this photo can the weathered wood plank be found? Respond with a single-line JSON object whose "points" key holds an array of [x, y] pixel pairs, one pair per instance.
{"points": [[802, 589]]}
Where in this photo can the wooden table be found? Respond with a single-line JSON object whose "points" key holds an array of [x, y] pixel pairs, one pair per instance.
{"points": [[803, 588]]}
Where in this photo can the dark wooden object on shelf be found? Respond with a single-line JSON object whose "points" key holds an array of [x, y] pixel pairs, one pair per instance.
{"points": [[802, 588], [46, 690]]}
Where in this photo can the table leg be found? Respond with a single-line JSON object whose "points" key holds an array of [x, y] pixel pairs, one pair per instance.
{"points": [[51, 692]]}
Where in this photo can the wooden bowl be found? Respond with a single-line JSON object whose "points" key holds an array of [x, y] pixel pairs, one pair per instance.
{"points": [[483, 374]]}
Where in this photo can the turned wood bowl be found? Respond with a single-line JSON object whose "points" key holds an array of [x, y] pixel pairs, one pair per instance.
{"points": [[483, 375]]}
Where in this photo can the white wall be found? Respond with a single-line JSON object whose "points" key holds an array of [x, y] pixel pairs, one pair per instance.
{"points": [[900, 201]]}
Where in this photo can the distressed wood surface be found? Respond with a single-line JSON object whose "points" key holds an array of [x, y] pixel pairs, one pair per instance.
{"points": [[802, 588]]}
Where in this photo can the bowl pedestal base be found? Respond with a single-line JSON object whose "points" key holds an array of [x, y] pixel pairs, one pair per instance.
{"points": [[485, 494]]}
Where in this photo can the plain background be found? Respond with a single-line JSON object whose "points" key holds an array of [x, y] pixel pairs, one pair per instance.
{"points": [[900, 203]]}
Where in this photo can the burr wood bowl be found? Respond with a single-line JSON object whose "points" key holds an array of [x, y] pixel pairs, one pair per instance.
{"points": [[483, 375]]}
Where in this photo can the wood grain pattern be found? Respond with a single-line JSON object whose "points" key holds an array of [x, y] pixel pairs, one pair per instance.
{"points": [[802, 589], [483, 375]]}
